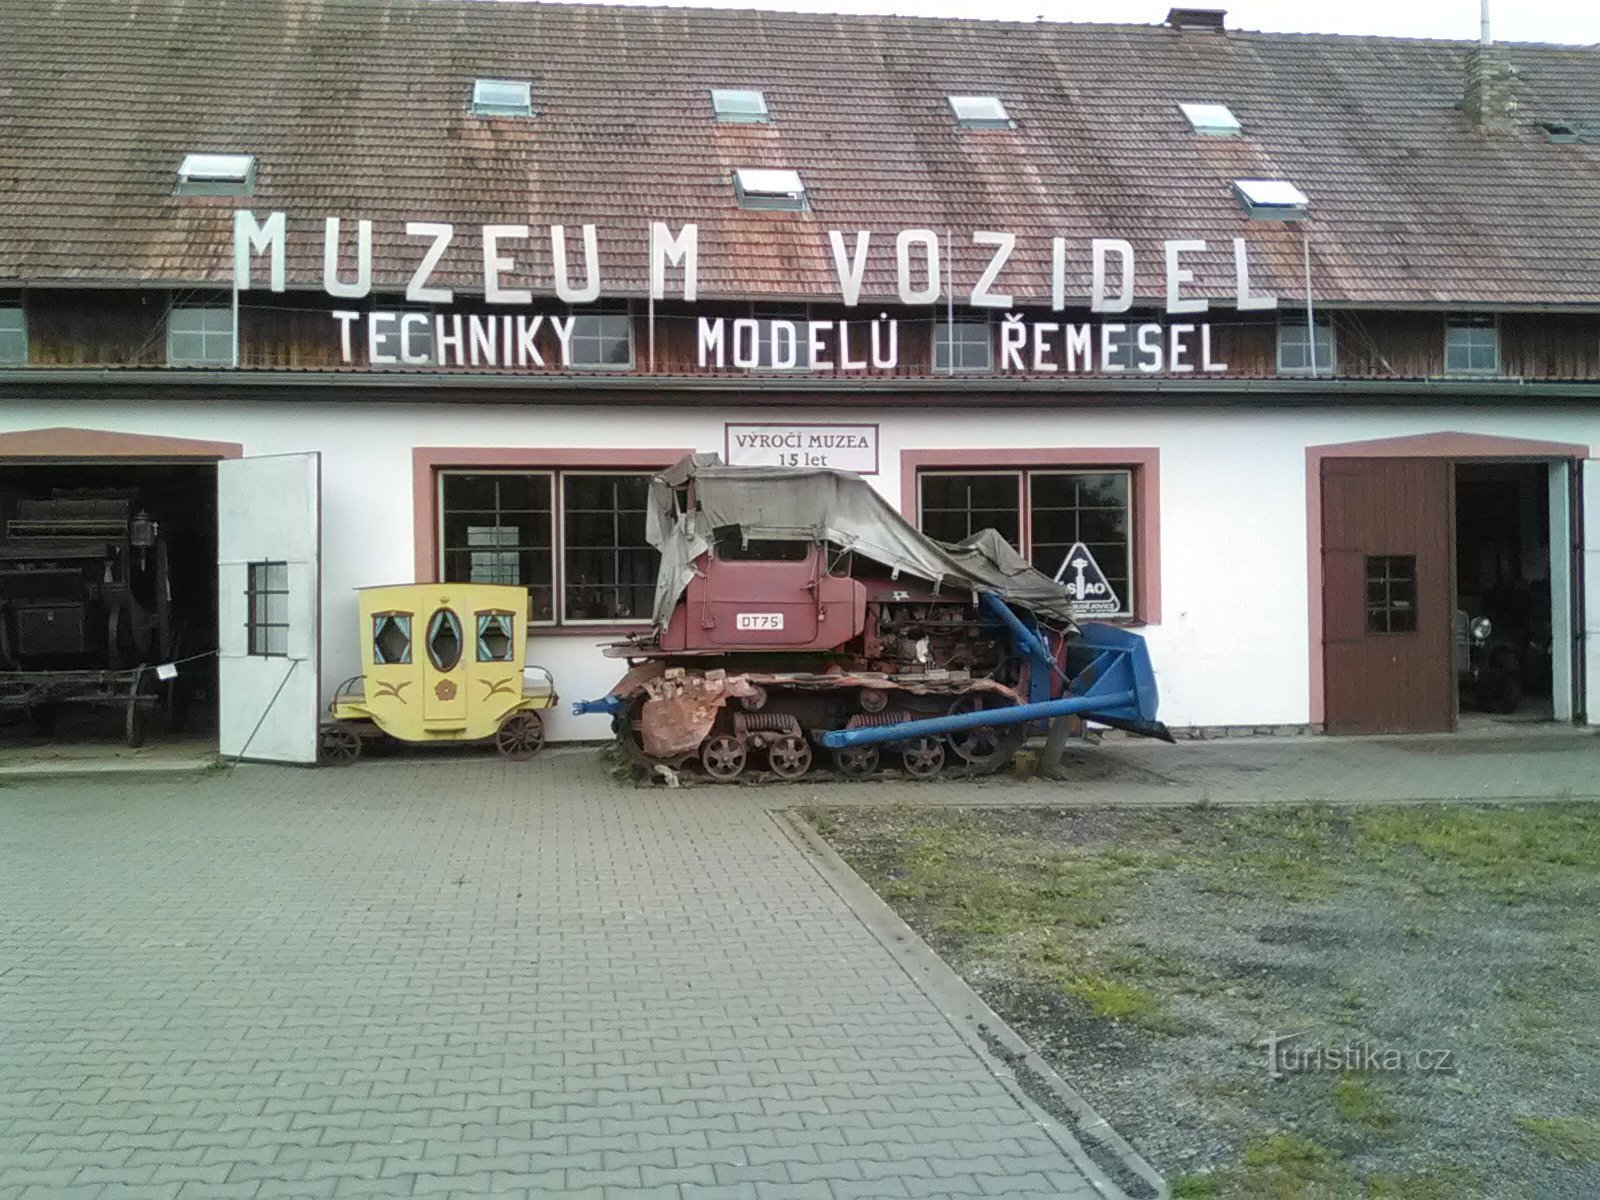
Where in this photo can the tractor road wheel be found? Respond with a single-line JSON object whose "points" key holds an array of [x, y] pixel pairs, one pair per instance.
{"points": [[789, 757], [723, 756], [855, 762], [338, 746], [520, 736], [922, 757]]}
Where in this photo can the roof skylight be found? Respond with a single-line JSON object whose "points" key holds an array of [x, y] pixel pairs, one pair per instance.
{"points": [[1272, 199], [217, 174], [1560, 131], [1212, 120], [980, 112], [502, 98], [739, 106], [777, 190]]}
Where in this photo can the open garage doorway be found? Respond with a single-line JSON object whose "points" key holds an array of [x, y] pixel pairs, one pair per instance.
{"points": [[1445, 583], [108, 608], [1505, 618]]}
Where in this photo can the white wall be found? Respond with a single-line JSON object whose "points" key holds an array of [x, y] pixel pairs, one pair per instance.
{"points": [[1233, 646]]}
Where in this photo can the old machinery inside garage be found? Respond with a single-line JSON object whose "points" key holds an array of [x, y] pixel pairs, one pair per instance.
{"points": [[107, 601]]}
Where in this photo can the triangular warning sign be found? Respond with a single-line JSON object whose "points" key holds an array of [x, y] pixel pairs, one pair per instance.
{"points": [[1086, 583]]}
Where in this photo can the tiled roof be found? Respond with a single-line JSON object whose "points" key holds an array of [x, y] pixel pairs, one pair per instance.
{"points": [[360, 108]]}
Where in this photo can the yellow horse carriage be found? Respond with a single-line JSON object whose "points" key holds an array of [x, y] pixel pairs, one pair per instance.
{"points": [[441, 662]]}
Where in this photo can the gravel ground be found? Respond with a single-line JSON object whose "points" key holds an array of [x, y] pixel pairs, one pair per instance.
{"points": [[1453, 952]]}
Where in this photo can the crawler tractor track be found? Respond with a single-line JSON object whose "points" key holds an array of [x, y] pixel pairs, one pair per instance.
{"points": [[777, 742]]}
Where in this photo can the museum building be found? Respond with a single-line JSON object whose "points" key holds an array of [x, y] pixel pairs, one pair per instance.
{"points": [[1284, 349]]}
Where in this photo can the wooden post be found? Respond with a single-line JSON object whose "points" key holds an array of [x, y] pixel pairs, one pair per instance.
{"points": [[1055, 744]]}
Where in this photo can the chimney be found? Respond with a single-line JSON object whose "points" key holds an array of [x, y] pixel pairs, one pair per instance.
{"points": [[1490, 100], [1198, 18]]}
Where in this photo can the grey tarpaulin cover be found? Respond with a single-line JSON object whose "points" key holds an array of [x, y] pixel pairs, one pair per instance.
{"points": [[833, 506]]}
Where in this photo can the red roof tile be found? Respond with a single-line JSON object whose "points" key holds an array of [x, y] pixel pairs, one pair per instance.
{"points": [[360, 108]]}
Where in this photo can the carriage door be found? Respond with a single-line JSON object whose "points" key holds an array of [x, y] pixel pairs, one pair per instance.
{"points": [[1388, 605], [269, 550], [444, 683]]}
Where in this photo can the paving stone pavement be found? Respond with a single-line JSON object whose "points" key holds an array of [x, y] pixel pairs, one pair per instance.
{"points": [[464, 978]]}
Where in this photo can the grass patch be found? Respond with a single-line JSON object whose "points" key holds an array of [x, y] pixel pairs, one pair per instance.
{"points": [[1510, 852], [1358, 1102], [1279, 1166], [1443, 1183], [1571, 1139]]}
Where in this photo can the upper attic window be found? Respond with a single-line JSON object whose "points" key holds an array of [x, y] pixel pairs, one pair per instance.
{"points": [[502, 98], [1213, 120], [739, 106], [781, 191], [217, 175], [1272, 199], [980, 112]]}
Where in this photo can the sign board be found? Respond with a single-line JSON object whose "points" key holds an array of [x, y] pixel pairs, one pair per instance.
{"points": [[1092, 594], [788, 444]]}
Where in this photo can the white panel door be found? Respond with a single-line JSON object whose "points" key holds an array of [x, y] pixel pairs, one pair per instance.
{"points": [[1590, 585], [269, 549]]}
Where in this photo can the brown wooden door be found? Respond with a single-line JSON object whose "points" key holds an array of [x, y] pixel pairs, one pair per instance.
{"points": [[1388, 604]]}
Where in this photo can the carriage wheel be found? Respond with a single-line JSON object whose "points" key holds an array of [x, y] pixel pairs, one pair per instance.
{"points": [[789, 757], [723, 756], [922, 757], [338, 746], [520, 736], [855, 762], [136, 718]]}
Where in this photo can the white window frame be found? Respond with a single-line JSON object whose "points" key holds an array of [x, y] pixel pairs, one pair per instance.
{"points": [[14, 321], [1024, 476], [942, 339], [1296, 320], [723, 106], [1472, 325], [558, 535], [598, 313], [483, 105], [218, 310]]}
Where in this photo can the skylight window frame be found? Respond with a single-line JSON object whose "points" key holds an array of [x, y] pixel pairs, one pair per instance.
{"points": [[217, 174], [1211, 118], [737, 116], [1272, 199], [999, 119], [760, 189], [1562, 133], [485, 107]]}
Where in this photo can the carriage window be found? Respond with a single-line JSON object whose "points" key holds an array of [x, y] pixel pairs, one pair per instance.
{"points": [[391, 638], [496, 642], [444, 640], [267, 609]]}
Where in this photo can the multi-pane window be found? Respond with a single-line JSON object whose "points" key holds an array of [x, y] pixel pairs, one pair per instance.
{"points": [[774, 351], [200, 336], [499, 528], [1295, 344], [602, 340], [13, 334], [1471, 345], [962, 346], [608, 569], [267, 609], [1047, 514], [1391, 593], [575, 539], [1121, 350]]}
